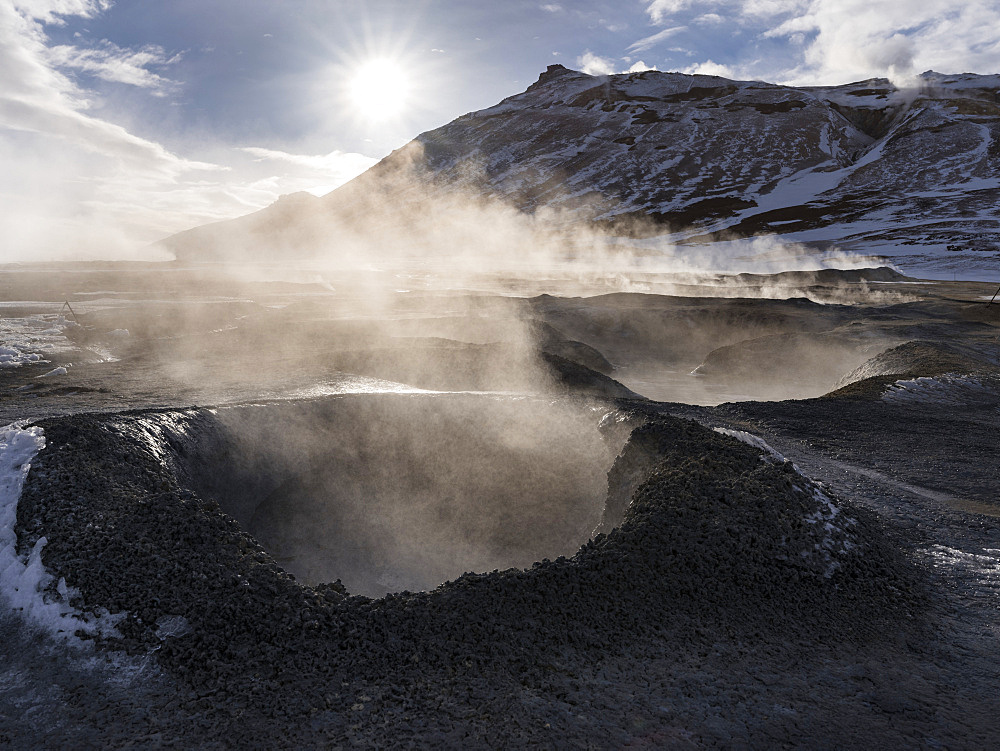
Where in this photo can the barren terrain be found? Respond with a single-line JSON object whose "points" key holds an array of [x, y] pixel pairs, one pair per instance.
{"points": [[280, 515]]}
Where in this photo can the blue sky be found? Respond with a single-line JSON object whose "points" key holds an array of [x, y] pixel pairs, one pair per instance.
{"points": [[121, 122]]}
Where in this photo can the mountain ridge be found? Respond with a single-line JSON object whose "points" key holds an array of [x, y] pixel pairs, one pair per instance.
{"points": [[698, 158]]}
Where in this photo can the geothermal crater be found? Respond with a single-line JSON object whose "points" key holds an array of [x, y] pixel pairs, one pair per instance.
{"points": [[402, 491], [707, 541]]}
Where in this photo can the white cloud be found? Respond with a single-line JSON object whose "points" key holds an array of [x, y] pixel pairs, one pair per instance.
{"points": [[661, 10], [651, 41], [639, 67], [337, 167], [769, 8], [711, 68], [601, 66], [594, 65], [74, 185], [836, 41], [773, 8], [35, 97], [50, 11], [844, 40], [551, 7], [112, 63]]}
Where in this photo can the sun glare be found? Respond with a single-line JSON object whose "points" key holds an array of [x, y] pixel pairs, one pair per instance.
{"points": [[379, 89]]}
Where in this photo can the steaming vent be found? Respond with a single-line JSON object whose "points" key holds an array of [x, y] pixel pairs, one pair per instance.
{"points": [[402, 492]]}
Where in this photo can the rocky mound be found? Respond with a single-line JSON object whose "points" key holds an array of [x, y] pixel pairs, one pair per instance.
{"points": [[784, 366], [914, 359], [718, 540]]}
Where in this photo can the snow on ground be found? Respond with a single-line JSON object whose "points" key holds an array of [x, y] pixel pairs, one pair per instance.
{"points": [[948, 389], [752, 440], [836, 539], [25, 586], [31, 338], [983, 567], [929, 261]]}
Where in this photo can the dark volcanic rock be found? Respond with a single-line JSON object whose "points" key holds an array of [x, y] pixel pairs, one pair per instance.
{"points": [[716, 540], [579, 379]]}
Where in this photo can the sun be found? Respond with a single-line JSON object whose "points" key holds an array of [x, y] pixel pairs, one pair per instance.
{"points": [[379, 89]]}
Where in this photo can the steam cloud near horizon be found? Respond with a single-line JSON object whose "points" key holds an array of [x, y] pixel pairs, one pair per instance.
{"points": [[400, 217]]}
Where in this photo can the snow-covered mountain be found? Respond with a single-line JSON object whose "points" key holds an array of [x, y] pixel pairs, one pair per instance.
{"points": [[864, 166]]}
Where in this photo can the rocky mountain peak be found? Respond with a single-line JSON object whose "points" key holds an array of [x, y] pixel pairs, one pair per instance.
{"points": [[553, 71], [862, 165]]}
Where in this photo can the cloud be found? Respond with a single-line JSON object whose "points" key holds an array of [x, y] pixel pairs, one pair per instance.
{"points": [[74, 185], [112, 63], [651, 41], [770, 8], [845, 40], [551, 7], [36, 97], [711, 68], [593, 65], [661, 10], [336, 167], [52, 11], [836, 41], [639, 67]]}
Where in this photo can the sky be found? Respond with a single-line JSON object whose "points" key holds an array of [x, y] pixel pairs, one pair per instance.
{"points": [[124, 122]]}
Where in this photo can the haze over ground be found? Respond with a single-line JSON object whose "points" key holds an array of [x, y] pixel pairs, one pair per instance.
{"points": [[121, 123]]}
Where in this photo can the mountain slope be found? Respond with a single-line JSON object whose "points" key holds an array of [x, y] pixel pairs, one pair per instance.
{"points": [[863, 165]]}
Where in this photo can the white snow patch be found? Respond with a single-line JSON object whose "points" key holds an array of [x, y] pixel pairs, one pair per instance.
{"points": [[983, 567], [54, 372], [947, 389], [103, 354], [836, 539], [23, 340], [751, 439], [25, 585]]}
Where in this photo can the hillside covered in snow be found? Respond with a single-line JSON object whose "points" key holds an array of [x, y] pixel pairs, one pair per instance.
{"points": [[694, 159]]}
